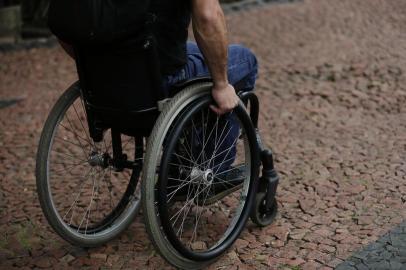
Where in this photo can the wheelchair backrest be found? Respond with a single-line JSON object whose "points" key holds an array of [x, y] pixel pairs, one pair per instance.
{"points": [[121, 84]]}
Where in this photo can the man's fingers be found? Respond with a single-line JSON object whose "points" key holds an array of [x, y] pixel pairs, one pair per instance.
{"points": [[214, 109], [217, 110]]}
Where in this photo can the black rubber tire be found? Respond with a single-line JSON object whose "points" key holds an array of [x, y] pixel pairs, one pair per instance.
{"points": [[104, 234], [258, 216], [152, 221]]}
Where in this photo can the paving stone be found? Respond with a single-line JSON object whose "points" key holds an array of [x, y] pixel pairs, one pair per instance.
{"points": [[334, 263], [326, 248], [99, 256], [280, 232], [361, 266], [310, 265], [43, 262], [395, 265], [67, 258], [345, 266]]}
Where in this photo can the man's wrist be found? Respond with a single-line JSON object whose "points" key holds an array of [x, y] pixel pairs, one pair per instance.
{"points": [[220, 84]]}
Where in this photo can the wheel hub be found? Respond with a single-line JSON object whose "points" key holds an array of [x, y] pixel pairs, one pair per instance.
{"points": [[98, 159], [208, 177], [205, 177]]}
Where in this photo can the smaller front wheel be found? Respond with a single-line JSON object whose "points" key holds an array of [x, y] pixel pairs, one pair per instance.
{"points": [[260, 215]]}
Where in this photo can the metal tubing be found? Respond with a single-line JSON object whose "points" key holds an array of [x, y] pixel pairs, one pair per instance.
{"points": [[254, 105], [116, 143]]}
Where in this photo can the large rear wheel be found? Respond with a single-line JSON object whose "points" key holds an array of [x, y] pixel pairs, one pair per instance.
{"points": [[199, 179], [85, 198]]}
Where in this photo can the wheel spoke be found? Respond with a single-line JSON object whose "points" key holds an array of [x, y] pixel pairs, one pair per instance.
{"points": [[225, 156], [77, 196], [75, 134], [218, 146], [204, 146], [67, 169], [70, 156], [87, 213], [90, 141], [198, 216]]}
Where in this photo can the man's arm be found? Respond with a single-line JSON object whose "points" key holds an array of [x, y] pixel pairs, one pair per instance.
{"points": [[210, 32]]}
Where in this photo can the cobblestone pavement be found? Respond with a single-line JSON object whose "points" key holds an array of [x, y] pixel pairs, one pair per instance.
{"points": [[389, 252], [332, 87]]}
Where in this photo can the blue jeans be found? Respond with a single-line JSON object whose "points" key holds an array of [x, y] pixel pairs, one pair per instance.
{"points": [[242, 67], [242, 73]]}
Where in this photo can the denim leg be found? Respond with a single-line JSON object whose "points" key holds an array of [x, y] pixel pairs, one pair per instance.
{"points": [[242, 66], [242, 73]]}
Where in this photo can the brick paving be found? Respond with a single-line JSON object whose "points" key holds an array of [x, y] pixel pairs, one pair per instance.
{"points": [[332, 87]]}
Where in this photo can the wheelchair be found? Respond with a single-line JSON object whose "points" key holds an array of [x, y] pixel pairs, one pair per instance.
{"points": [[113, 144]]}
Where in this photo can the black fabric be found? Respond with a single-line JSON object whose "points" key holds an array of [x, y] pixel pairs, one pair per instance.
{"points": [[120, 84], [121, 76], [171, 29], [109, 21], [97, 21]]}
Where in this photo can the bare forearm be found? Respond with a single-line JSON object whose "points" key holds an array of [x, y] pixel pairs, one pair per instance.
{"points": [[211, 37]]}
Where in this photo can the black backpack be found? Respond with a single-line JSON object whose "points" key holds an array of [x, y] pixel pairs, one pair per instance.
{"points": [[97, 21]]}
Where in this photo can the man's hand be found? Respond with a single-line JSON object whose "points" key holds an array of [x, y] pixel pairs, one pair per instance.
{"points": [[225, 98]]}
